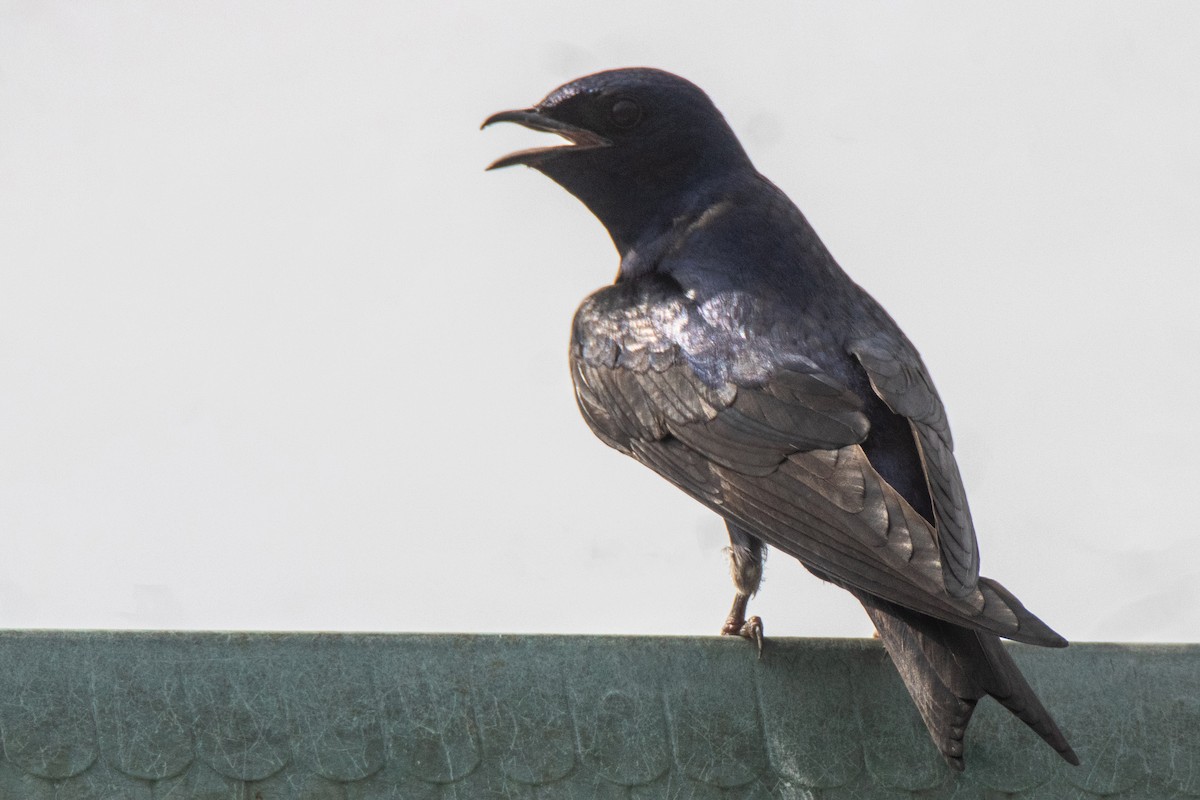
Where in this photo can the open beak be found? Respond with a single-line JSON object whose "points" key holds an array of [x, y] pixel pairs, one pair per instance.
{"points": [[579, 138]]}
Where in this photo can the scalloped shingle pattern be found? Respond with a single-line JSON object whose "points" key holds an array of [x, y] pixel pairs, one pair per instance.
{"points": [[187, 716]]}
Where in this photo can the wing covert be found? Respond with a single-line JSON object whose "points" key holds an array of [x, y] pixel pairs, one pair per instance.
{"points": [[648, 364]]}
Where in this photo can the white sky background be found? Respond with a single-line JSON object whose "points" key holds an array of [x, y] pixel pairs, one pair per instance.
{"points": [[275, 352]]}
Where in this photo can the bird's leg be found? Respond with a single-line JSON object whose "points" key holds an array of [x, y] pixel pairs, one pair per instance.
{"points": [[746, 556]]}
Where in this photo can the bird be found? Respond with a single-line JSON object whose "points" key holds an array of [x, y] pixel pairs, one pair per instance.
{"points": [[733, 356]]}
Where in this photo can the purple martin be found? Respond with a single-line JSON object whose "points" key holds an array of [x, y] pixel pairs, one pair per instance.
{"points": [[736, 359]]}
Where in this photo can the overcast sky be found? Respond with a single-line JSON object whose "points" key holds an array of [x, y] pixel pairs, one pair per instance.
{"points": [[275, 352]]}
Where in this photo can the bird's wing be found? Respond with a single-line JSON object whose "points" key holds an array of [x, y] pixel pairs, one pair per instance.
{"points": [[761, 435], [899, 377]]}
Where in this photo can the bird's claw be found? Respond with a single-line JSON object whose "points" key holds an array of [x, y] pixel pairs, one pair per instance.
{"points": [[751, 629]]}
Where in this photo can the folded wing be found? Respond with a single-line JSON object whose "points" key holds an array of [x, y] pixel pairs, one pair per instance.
{"points": [[740, 420]]}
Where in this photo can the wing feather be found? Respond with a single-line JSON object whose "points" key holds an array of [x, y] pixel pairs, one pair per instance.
{"points": [[765, 438], [899, 377]]}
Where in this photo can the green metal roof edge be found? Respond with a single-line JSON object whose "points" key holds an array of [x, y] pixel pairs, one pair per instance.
{"points": [[361, 716]]}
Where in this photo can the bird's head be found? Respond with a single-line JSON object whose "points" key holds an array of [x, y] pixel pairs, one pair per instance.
{"points": [[641, 143]]}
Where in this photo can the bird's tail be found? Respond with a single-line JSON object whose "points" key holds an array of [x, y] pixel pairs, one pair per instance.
{"points": [[947, 668]]}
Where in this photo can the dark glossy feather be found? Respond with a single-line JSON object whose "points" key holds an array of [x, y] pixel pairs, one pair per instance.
{"points": [[899, 377]]}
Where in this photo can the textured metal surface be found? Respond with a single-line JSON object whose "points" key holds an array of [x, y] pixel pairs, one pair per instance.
{"points": [[203, 716]]}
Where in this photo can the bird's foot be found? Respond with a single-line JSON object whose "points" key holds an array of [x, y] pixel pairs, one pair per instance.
{"points": [[751, 629]]}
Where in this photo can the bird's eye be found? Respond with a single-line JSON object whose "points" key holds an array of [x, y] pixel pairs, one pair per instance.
{"points": [[626, 113]]}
